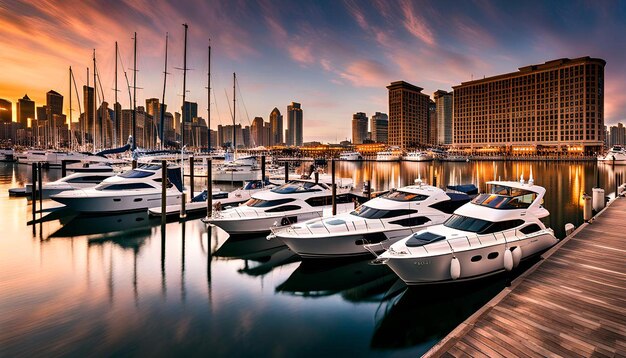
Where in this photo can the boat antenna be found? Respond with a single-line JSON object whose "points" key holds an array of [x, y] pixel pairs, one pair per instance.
{"points": [[70, 126], [135, 92], [208, 98], [234, 110]]}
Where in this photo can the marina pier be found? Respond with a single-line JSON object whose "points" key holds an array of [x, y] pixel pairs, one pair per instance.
{"points": [[571, 303]]}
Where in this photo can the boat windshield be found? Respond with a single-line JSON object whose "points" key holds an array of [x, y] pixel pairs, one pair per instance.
{"points": [[260, 203], [295, 187], [504, 197], [366, 212], [399, 195], [136, 174], [480, 226]]}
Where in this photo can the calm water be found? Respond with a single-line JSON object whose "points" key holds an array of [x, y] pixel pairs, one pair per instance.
{"points": [[120, 285]]}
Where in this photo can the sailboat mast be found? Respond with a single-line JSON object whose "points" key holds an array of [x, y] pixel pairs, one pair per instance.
{"points": [[163, 98], [234, 108], [134, 91], [208, 97], [70, 126], [116, 126], [182, 128], [95, 102], [87, 110]]}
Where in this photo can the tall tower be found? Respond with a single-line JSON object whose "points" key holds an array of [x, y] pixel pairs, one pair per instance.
{"points": [[432, 122], [6, 111], [408, 115], [54, 114], [359, 128], [294, 120], [443, 100], [25, 110], [88, 118], [276, 125], [379, 124], [256, 132]]}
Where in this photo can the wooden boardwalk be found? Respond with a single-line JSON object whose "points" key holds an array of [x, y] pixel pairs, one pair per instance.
{"points": [[571, 304]]}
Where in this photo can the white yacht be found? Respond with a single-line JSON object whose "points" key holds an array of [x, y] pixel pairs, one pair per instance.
{"points": [[455, 158], [75, 181], [490, 234], [617, 155], [294, 201], [378, 222], [417, 157], [350, 156], [32, 156], [238, 170], [137, 189], [6, 155], [388, 156]]}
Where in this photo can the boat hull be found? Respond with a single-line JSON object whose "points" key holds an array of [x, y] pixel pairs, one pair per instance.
{"points": [[116, 203], [436, 269]]}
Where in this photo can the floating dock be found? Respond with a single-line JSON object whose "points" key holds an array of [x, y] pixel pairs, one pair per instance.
{"points": [[572, 303]]}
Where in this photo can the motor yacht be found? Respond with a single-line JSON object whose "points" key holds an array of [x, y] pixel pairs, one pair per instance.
{"points": [[350, 156], [388, 156], [490, 234], [455, 158], [617, 155], [6, 155], [75, 181], [137, 189], [379, 222], [238, 170], [292, 202], [31, 156], [417, 157]]}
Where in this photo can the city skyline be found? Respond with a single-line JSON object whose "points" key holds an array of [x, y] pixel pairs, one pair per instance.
{"points": [[334, 58]]}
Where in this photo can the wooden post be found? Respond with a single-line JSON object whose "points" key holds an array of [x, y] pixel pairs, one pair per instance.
{"points": [[39, 184], [34, 189], [63, 168], [134, 164], [286, 171], [262, 170], [191, 170], [317, 177], [209, 189], [434, 180], [369, 189], [163, 194], [334, 194]]}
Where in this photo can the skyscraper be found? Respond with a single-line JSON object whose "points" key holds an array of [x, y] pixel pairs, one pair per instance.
{"points": [[379, 124], [256, 132], [190, 111], [294, 120], [25, 110], [88, 118], [554, 107], [617, 135], [408, 115], [432, 122], [54, 115], [6, 111], [276, 125], [443, 101], [359, 128]]}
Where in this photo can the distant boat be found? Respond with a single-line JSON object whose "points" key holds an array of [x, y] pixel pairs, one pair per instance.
{"points": [[617, 155], [388, 156], [417, 157], [6, 155], [350, 156]]}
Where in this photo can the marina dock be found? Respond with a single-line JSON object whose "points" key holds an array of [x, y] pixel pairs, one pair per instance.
{"points": [[571, 303]]}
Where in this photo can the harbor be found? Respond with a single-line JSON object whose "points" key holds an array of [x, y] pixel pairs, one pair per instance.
{"points": [[184, 286]]}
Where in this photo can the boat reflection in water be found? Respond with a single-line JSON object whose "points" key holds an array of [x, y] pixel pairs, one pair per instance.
{"points": [[259, 254], [104, 226], [355, 280]]}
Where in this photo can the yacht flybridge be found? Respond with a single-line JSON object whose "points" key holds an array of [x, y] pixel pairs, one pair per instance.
{"points": [[380, 221], [490, 234], [136, 189], [617, 155], [294, 201]]}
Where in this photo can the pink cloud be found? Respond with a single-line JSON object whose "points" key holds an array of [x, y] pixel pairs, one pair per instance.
{"points": [[366, 73], [415, 24]]}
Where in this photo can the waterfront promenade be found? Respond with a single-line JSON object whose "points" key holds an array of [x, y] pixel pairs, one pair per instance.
{"points": [[572, 303]]}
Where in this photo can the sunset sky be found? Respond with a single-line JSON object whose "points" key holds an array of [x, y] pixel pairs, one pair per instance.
{"points": [[334, 57]]}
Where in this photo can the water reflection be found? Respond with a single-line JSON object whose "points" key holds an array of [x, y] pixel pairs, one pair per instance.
{"points": [[355, 280], [137, 223]]}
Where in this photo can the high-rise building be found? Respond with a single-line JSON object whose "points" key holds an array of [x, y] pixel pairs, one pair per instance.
{"points": [[88, 119], [276, 125], [25, 110], [379, 124], [54, 103], [443, 101], [190, 111], [359, 128], [6, 111], [617, 135], [42, 113], [225, 135], [432, 122], [294, 121], [408, 115], [117, 123], [554, 107], [256, 132], [153, 108], [54, 115]]}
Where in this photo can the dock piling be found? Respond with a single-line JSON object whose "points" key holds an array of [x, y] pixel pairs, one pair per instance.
{"points": [[163, 193], [334, 186], [134, 164], [63, 168], [286, 171], [369, 189], [262, 170], [191, 179], [39, 184], [33, 189], [209, 188]]}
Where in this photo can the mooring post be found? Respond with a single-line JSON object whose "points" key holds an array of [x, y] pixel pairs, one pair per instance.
{"points": [[163, 194], [369, 189], [334, 195], [39, 184], [317, 177], [209, 189], [434, 180], [134, 164], [262, 170], [63, 168], [286, 171], [191, 186], [33, 189]]}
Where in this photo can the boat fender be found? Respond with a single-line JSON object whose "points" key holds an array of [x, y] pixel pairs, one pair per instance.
{"points": [[455, 268], [517, 255], [508, 260]]}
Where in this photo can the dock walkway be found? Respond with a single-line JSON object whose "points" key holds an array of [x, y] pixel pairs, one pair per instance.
{"points": [[572, 303]]}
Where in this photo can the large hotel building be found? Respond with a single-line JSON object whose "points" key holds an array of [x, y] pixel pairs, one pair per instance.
{"points": [[408, 115], [555, 107]]}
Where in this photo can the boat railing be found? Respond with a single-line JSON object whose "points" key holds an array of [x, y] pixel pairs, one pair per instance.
{"points": [[462, 243]]}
